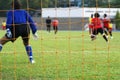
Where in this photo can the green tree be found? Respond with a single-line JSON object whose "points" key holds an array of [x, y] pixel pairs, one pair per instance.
{"points": [[117, 20], [3, 7], [115, 3]]}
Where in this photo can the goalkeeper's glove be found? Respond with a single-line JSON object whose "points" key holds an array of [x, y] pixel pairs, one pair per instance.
{"points": [[35, 36], [8, 33]]}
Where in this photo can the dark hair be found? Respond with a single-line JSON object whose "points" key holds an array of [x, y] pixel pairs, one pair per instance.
{"points": [[105, 15], [91, 15], [16, 4], [96, 15]]}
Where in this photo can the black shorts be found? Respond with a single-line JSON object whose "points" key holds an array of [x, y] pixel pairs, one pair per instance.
{"points": [[22, 30], [105, 28], [55, 27], [48, 26], [99, 30]]}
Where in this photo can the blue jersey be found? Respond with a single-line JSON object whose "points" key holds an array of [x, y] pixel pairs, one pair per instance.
{"points": [[20, 17]]}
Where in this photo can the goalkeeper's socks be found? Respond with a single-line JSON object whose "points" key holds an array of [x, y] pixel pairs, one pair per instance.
{"points": [[29, 53], [0, 47]]}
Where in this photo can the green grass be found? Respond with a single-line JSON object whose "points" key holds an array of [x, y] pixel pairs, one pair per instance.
{"points": [[69, 55]]}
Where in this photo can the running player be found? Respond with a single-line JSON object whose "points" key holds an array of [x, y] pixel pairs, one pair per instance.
{"points": [[55, 23], [90, 25], [107, 25], [48, 23], [97, 27], [3, 25]]}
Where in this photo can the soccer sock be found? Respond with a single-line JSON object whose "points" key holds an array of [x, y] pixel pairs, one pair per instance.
{"points": [[0, 47], [105, 38], [110, 34], [29, 52], [106, 32]]}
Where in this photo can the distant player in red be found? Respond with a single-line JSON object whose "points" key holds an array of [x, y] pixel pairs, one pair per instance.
{"points": [[3, 25], [55, 23], [97, 27], [107, 26], [90, 25]]}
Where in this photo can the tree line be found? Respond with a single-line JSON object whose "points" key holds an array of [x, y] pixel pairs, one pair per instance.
{"points": [[38, 4], [33, 5]]}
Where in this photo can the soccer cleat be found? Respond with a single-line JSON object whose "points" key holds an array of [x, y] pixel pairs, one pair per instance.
{"points": [[111, 37], [32, 61], [92, 39]]}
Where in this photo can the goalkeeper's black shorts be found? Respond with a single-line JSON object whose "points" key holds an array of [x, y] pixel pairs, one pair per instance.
{"points": [[22, 30]]}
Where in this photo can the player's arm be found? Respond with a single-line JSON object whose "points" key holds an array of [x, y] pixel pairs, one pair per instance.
{"points": [[31, 23], [9, 24], [9, 20], [32, 26]]}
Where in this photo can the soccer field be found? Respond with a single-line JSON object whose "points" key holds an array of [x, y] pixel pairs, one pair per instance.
{"points": [[68, 55]]}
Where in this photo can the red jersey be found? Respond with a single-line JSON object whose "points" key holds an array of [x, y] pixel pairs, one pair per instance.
{"points": [[55, 23], [106, 22], [90, 21], [96, 23], [90, 25]]}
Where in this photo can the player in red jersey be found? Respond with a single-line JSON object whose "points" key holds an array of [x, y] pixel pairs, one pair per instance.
{"points": [[4, 25], [55, 23], [90, 25], [107, 25], [97, 27]]}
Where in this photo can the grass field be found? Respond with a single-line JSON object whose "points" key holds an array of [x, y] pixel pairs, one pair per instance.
{"points": [[68, 55]]}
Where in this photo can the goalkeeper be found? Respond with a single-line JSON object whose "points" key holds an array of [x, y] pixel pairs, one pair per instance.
{"points": [[17, 24]]}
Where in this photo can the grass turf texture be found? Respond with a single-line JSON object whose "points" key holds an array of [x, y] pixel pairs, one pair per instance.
{"points": [[68, 55]]}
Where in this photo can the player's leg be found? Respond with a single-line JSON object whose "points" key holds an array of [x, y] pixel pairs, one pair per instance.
{"points": [[25, 37], [103, 34], [28, 49], [90, 31], [106, 32], [56, 29], [105, 37], [93, 34], [29, 53], [110, 32], [6, 39], [48, 28], [3, 41]]}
